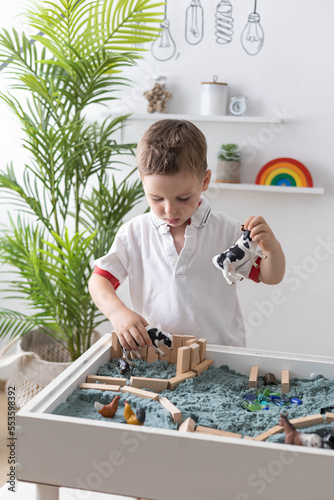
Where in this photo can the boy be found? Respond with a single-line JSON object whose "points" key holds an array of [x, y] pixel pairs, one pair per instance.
{"points": [[167, 253]]}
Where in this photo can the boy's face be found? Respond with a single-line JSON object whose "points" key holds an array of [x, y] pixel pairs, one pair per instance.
{"points": [[174, 198]]}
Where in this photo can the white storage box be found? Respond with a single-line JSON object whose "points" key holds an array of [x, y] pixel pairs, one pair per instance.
{"points": [[167, 464]]}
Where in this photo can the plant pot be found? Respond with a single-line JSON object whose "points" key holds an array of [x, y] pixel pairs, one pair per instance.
{"points": [[228, 171]]}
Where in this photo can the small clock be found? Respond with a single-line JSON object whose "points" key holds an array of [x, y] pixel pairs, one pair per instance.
{"points": [[238, 105]]}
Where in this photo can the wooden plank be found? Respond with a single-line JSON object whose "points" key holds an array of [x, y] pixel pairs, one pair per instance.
{"points": [[167, 352], [143, 353], [174, 381], [155, 384], [216, 432], [175, 412], [188, 425], [194, 355], [309, 420], [140, 393], [183, 360], [254, 373], [151, 354], [116, 348], [101, 387], [329, 417], [285, 382], [107, 380], [202, 366], [186, 338], [270, 432], [202, 349], [190, 342], [177, 342]]}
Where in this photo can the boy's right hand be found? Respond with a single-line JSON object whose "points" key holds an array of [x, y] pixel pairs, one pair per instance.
{"points": [[130, 329]]}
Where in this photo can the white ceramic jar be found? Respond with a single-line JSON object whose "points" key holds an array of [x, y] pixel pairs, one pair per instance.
{"points": [[213, 98]]}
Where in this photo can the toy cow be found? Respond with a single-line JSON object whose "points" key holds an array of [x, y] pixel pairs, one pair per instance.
{"points": [[243, 250], [157, 337]]}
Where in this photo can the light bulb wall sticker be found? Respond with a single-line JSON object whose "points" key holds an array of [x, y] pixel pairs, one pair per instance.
{"points": [[224, 22], [194, 23], [252, 36], [164, 48]]}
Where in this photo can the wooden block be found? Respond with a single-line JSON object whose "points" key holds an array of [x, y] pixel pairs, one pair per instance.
{"points": [[107, 380], [186, 338], [151, 354], [329, 417], [190, 342], [155, 384], [285, 382], [309, 420], [194, 355], [175, 412], [270, 432], [254, 373], [216, 432], [188, 425], [202, 366], [143, 353], [140, 393], [177, 342], [248, 437], [167, 352], [100, 387], [174, 381], [202, 349], [116, 348], [183, 360]]}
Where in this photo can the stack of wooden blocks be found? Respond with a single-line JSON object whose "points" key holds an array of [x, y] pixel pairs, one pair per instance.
{"points": [[188, 354]]}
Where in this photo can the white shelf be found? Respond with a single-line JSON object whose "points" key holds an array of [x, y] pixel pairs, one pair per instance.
{"points": [[202, 118], [268, 189]]}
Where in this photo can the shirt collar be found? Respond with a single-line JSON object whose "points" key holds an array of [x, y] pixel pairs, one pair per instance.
{"points": [[199, 218]]}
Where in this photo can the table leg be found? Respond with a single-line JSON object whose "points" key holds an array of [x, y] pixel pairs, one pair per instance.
{"points": [[47, 492]]}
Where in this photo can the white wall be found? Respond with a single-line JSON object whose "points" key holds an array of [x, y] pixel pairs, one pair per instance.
{"points": [[291, 76]]}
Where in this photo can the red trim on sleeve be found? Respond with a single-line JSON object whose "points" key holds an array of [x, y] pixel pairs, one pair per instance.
{"points": [[255, 271], [114, 281]]}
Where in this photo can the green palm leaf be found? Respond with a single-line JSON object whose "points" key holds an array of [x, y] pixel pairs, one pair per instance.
{"points": [[75, 60]]}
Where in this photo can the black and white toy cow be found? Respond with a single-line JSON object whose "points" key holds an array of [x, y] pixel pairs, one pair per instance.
{"points": [[243, 250], [157, 337]]}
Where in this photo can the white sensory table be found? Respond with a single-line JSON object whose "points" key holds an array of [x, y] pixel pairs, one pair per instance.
{"points": [[57, 451]]}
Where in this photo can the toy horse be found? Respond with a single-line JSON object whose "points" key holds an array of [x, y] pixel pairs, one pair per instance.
{"points": [[292, 436]]}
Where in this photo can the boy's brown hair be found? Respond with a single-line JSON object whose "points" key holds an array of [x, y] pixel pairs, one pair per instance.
{"points": [[169, 146]]}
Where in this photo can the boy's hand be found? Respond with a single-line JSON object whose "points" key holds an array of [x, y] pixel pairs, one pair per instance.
{"points": [[261, 233], [130, 329]]}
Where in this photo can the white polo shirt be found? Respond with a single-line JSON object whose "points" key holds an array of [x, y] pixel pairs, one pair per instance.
{"points": [[182, 294]]}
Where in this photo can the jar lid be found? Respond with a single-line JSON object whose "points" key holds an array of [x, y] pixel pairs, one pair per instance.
{"points": [[215, 78]]}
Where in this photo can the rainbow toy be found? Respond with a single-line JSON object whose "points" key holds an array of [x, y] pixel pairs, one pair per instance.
{"points": [[284, 172]]}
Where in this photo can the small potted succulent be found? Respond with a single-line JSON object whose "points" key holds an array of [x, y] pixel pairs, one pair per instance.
{"points": [[228, 165]]}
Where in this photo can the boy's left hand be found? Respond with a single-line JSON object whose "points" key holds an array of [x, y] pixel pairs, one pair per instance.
{"points": [[261, 233]]}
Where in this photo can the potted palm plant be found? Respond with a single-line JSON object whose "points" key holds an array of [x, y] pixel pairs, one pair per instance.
{"points": [[69, 205], [228, 164]]}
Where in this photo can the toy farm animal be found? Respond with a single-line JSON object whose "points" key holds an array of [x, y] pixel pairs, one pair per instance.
{"points": [[269, 379], [157, 337], [137, 418], [292, 436], [243, 250], [108, 410], [123, 366]]}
